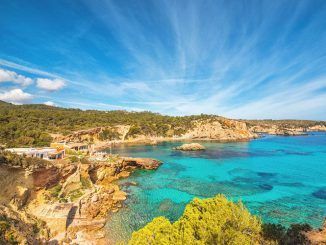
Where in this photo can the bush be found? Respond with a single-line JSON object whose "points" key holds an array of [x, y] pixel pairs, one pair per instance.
{"points": [[295, 234], [109, 134], [209, 221], [279, 234], [74, 159]]}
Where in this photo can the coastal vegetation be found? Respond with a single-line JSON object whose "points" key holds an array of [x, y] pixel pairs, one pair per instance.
{"points": [[218, 221], [209, 221], [31, 125], [285, 123]]}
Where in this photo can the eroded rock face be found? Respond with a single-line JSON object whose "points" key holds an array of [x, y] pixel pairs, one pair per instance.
{"points": [[190, 147], [221, 130], [143, 163], [21, 197], [317, 128], [72, 198], [20, 228], [317, 237], [276, 130], [72, 183], [287, 132], [92, 134]]}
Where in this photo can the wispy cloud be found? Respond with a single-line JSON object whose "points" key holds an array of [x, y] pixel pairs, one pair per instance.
{"points": [[243, 59]]}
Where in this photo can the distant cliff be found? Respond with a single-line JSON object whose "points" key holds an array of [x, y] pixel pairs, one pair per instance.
{"points": [[285, 127], [39, 125], [214, 128]]}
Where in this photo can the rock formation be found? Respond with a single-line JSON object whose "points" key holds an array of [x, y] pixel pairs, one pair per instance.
{"points": [[221, 130], [215, 128], [277, 130], [71, 200], [317, 237], [190, 147]]}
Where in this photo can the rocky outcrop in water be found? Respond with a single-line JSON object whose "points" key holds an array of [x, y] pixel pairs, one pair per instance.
{"points": [[190, 147]]}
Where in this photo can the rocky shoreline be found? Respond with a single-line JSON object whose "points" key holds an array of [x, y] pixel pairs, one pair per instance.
{"points": [[215, 129], [63, 201]]}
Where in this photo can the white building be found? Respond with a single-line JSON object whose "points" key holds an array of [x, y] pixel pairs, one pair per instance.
{"points": [[43, 153]]}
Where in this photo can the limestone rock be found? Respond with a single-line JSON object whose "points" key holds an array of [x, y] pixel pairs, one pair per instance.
{"points": [[21, 197], [190, 147], [317, 237], [119, 196], [72, 183], [144, 163], [221, 129]]}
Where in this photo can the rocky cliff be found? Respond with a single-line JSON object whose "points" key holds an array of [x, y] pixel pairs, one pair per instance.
{"points": [[221, 130], [215, 128], [68, 202], [285, 127]]}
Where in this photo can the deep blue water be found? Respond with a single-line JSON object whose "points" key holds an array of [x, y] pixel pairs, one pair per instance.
{"points": [[281, 179]]}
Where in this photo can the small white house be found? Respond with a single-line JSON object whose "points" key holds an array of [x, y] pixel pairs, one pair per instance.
{"points": [[43, 153]]}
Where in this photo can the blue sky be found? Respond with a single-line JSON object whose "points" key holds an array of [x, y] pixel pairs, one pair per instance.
{"points": [[239, 59]]}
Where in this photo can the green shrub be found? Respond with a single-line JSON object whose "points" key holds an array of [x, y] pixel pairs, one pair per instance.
{"points": [[109, 134], [74, 159], [279, 234], [74, 195], [86, 183], [209, 221], [295, 234], [55, 191]]}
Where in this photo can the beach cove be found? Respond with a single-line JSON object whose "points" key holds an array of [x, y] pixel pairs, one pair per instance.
{"points": [[278, 178]]}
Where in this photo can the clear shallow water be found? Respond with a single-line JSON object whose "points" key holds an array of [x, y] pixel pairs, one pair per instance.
{"points": [[282, 179]]}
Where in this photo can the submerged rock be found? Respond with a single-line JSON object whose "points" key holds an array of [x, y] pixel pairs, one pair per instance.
{"points": [[266, 187], [190, 147], [321, 194]]}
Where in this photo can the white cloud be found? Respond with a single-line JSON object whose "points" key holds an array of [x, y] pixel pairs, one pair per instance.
{"points": [[50, 84], [16, 96], [50, 103], [11, 76]]}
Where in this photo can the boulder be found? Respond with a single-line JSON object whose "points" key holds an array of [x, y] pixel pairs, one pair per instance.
{"points": [[119, 196], [190, 147], [143, 163], [21, 197]]}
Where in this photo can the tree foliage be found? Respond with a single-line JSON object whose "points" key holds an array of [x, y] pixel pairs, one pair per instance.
{"points": [[109, 134], [31, 125], [286, 236], [209, 221]]}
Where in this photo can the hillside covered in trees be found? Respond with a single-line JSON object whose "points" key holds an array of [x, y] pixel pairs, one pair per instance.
{"points": [[31, 125]]}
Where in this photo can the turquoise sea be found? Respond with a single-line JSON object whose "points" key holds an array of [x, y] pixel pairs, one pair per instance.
{"points": [[282, 179]]}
